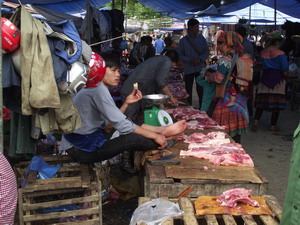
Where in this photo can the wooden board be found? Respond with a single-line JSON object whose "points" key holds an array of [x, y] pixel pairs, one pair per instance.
{"points": [[213, 173], [200, 187], [206, 205]]}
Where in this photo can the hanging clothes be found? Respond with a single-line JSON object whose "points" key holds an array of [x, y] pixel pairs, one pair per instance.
{"points": [[20, 141], [11, 83], [70, 46], [39, 89], [63, 120]]}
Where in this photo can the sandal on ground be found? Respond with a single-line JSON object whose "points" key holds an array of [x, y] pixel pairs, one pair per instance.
{"points": [[274, 129]]}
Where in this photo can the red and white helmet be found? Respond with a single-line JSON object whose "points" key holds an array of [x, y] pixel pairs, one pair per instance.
{"points": [[97, 70], [10, 36]]}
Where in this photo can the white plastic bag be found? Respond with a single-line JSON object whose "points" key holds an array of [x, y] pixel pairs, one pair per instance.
{"points": [[155, 212]]}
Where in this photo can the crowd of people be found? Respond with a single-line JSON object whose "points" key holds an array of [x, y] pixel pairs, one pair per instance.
{"points": [[233, 51]]}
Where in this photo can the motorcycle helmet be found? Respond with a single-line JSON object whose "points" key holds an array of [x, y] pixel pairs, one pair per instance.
{"points": [[10, 36], [97, 70], [76, 79]]}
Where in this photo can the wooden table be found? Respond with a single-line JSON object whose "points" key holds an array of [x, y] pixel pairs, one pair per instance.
{"points": [[171, 180]]}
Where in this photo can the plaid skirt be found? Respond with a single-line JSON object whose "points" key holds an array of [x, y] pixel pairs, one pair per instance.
{"points": [[235, 124], [270, 101]]}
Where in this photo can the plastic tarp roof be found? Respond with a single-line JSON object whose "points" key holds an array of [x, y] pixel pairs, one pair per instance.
{"points": [[173, 8], [181, 8], [289, 7], [263, 14], [64, 6]]}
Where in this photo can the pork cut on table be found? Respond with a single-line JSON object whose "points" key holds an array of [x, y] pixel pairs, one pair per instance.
{"points": [[215, 137], [217, 149], [220, 155], [188, 113], [204, 124], [232, 197]]}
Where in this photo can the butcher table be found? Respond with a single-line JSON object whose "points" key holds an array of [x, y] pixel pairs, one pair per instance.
{"points": [[206, 179]]}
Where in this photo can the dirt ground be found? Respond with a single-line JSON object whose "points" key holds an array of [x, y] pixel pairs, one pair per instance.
{"points": [[271, 152]]}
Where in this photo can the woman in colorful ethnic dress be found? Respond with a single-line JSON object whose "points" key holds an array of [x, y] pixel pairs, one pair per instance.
{"points": [[271, 88], [231, 109]]}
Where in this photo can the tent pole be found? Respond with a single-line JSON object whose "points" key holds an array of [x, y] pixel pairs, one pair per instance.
{"points": [[113, 4], [122, 5], [1, 95], [126, 14], [275, 14], [249, 20]]}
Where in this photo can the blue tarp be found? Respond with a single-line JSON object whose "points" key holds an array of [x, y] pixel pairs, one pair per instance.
{"points": [[173, 8], [180, 8], [65, 6], [289, 7]]}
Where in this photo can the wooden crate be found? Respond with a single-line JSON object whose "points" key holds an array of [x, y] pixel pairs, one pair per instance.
{"points": [[189, 218], [157, 184], [73, 184]]}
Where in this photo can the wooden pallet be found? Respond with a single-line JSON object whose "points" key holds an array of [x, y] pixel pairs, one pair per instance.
{"points": [[189, 218], [73, 184]]}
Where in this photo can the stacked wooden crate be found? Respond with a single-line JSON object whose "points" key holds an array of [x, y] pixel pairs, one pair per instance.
{"points": [[74, 184]]}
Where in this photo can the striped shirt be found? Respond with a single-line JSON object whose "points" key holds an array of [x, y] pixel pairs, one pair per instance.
{"points": [[8, 192]]}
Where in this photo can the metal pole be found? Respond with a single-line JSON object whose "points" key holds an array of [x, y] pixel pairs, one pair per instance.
{"points": [[275, 14], [249, 30], [126, 14], [1, 95], [113, 4], [122, 3]]}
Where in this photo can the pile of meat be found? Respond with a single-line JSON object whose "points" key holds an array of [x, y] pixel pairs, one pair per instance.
{"points": [[176, 85], [217, 149], [232, 197], [197, 120]]}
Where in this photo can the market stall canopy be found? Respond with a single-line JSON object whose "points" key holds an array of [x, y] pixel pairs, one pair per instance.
{"points": [[183, 8], [263, 14], [64, 6], [173, 8]]}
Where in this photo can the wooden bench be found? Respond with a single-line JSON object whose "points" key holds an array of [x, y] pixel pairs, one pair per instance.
{"points": [[189, 218], [74, 184]]}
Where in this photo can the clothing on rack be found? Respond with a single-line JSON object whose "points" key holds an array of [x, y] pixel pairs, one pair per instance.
{"points": [[35, 59], [70, 47]]}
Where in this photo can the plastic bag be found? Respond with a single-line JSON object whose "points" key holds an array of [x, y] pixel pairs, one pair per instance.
{"points": [[155, 212]]}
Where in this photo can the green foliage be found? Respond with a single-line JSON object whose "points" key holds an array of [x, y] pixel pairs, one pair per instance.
{"points": [[136, 10]]}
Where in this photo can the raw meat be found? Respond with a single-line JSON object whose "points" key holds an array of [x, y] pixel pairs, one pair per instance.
{"points": [[178, 90], [228, 154], [204, 124], [232, 197], [188, 113]]}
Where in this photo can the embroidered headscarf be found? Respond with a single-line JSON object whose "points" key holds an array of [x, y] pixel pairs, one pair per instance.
{"points": [[274, 35], [232, 42]]}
